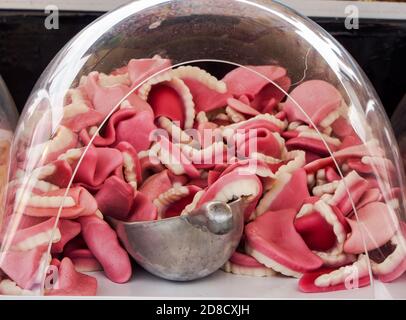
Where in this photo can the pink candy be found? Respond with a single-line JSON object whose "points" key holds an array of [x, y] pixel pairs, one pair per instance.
{"points": [[184, 138], [103, 243]]}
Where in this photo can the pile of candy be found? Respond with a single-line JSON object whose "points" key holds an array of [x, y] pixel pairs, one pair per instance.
{"points": [[181, 138]]}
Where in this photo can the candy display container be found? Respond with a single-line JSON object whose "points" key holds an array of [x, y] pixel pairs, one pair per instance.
{"points": [[160, 107]]}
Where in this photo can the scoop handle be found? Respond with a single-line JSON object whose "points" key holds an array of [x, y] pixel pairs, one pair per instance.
{"points": [[215, 216]]}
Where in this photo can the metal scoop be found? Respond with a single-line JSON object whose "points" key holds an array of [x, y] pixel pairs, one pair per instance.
{"points": [[186, 247]]}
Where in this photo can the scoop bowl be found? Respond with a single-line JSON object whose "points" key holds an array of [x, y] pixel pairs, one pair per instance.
{"points": [[186, 247]]}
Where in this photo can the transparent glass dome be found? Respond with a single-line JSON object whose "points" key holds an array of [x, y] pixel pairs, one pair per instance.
{"points": [[160, 107]]}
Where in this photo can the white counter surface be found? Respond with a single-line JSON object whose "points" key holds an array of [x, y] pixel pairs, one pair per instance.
{"points": [[225, 285]]}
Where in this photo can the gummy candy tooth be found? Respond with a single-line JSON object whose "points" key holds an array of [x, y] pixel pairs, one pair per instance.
{"points": [[273, 235], [313, 134], [329, 119], [78, 115], [263, 141], [201, 117], [211, 155], [244, 260], [271, 264], [86, 264], [8, 287], [312, 144], [288, 191], [354, 184], [172, 157], [83, 204], [330, 279], [169, 96], [58, 173], [131, 163], [23, 267], [105, 98], [241, 184], [72, 283], [357, 165], [273, 163], [206, 79], [68, 230], [35, 186], [177, 134], [174, 101], [71, 155], [294, 160], [222, 117], [50, 201], [376, 225], [381, 164], [317, 98], [173, 202], [234, 115], [333, 217], [208, 92], [253, 83], [321, 175], [113, 80], [344, 153], [242, 107], [140, 69], [64, 140], [244, 264], [394, 264], [205, 99], [249, 166], [338, 276], [330, 188], [368, 148], [317, 233], [103, 243], [264, 121], [156, 184], [37, 235]]}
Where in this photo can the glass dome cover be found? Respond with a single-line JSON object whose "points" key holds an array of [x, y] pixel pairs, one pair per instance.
{"points": [[162, 106]]}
